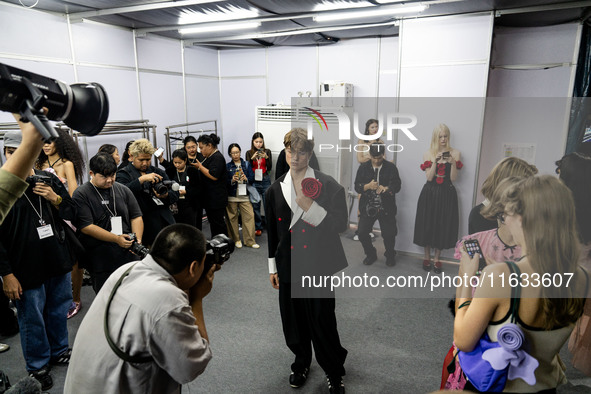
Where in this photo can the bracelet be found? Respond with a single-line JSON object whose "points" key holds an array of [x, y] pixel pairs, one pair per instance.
{"points": [[466, 303]]}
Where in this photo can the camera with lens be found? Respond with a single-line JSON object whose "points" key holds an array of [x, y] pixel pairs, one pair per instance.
{"points": [[137, 248], [161, 187], [38, 178], [218, 250], [374, 203], [82, 106]]}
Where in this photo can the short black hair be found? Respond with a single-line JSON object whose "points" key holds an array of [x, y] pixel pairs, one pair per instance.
{"points": [[180, 153], [209, 139], [177, 246], [233, 145], [103, 163], [377, 149]]}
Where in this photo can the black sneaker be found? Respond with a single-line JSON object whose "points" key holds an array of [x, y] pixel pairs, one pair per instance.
{"points": [[369, 260], [391, 261], [335, 384], [44, 377], [298, 379]]}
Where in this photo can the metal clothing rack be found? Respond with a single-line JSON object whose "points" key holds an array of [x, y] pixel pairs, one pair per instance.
{"points": [[119, 127], [173, 135]]}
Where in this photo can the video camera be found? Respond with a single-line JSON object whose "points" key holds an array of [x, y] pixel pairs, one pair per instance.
{"points": [[82, 106], [161, 187], [218, 250]]}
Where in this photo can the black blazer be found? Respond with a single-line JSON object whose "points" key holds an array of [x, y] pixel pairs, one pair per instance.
{"points": [[309, 250], [215, 193], [388, 177], [155, 217]]}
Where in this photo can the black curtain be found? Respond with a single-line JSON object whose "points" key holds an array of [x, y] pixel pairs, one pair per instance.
{"points": [[580, 114]]}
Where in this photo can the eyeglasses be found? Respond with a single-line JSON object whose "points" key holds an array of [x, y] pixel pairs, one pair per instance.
{"points": [[501, 217]]}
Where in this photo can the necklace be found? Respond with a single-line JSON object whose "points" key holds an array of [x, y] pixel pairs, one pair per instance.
{"points": [[51, 165], [39, 212], [113, 214]]}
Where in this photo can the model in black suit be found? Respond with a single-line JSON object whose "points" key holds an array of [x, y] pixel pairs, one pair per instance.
{"points": [[378, 177], [304, 241]]}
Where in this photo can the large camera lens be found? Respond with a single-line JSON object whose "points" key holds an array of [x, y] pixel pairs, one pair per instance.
{"points": [[90, 108]]}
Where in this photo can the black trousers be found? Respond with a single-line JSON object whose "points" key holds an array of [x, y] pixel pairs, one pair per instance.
{"points": [[387, 226], [311, 322], [216, 220]]}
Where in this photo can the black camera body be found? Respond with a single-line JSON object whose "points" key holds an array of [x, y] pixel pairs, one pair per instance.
{"points": [[137, 248], [218, 250], [374, 203], [38, 178], [82, 106], [160, 187]]}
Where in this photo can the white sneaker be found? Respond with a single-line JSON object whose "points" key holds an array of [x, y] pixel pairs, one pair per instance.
{"points": [[238, 244], [372, 235], [255, 246]]}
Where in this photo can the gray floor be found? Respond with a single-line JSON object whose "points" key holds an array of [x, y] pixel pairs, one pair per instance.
{"points": [[396, 343]]}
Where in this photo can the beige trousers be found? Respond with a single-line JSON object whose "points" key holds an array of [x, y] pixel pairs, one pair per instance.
{"points": [[247, 221]]}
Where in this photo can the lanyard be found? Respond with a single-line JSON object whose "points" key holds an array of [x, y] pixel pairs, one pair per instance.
{"points": [[178, 176], [40, 212], [107, 205]]}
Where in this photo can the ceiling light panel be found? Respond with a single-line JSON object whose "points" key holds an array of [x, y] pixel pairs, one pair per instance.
{"points": [[382, 11], [217, 13], [328, 5]]}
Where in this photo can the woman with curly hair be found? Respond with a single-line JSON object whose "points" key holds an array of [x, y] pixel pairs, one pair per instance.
{"points": [[63, 158]]}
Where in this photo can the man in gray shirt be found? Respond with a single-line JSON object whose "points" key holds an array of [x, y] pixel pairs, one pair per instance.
{"points": [[157, 330]]}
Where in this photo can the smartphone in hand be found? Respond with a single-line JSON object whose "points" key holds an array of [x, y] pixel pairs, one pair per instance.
{"points": [[472, 247], [159, 152]]}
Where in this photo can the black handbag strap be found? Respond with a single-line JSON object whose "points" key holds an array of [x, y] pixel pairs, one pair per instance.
{"points": [[515, 291], [120, 353]]}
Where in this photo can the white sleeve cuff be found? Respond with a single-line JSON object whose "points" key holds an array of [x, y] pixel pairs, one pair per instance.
{"points": [[272, 266], [315, 215]]}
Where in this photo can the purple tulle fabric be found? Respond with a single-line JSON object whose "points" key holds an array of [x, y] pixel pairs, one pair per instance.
{"points": [[521, 364]]}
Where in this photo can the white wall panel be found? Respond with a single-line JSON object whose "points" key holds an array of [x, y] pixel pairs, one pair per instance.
{"points": [[201, 61], [162, 100], [242, 62], [446, 39], [102, 44], [291, 70], [239, 98], [553, 82], [203, 99], [534, 45], [388, 77], [353, 61], [465, 80], [33, 33], [157, 53], [121, 87]]}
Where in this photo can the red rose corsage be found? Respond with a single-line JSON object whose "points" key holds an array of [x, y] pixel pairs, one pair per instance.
{"points": [[426, 165], [459, 165], [311, 188]]}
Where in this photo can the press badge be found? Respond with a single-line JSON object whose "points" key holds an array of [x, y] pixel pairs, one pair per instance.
{"points": [[242, 189], [45, 231], [182, 197], [157, 200], [116, 225], [258, 174]]}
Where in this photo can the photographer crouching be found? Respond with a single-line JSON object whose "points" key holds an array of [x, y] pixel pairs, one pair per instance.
{"points": [[151, 336], [151, 188], [377, 181]]}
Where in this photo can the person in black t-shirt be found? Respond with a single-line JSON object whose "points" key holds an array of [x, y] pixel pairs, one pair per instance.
{"points": [[35, 265], [107, 213], [139, 176], [188, 206], [213, 175]]}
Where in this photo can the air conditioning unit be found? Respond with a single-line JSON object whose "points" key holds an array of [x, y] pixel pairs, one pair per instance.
{"points": [[336, 94]]}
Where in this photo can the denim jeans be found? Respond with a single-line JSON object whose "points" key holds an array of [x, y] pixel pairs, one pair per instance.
{"points": [[261, 187], [42, 318]]}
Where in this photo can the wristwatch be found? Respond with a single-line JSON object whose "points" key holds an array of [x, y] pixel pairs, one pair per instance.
{"points": [[58, 201]]}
